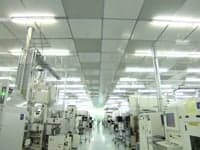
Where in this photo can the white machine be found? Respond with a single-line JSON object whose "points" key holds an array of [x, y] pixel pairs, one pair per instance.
{"points": [[12, 125], [150, 126], [173, 129], [192, 126], [56, 142]]}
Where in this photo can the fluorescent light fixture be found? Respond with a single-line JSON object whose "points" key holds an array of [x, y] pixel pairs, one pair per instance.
{"points": [[175, 21], [130, 86], [154, 91], [74, 79], [63, 97], [167, 90], [146, 91], [83, 97], [114, 97], [141, 70], [166, 86], [192, 79], [70, 79], [72, 91], [194, 85], [186, 90], [7, 78], [119, 91], [185, 96], [8, 69], [4, 53], [127, 79], [70, 86], [45, 52], [170, 54], [32, 18], [193, 70]]}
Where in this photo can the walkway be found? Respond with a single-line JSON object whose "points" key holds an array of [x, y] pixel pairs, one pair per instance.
{"points": [[101, 139]]}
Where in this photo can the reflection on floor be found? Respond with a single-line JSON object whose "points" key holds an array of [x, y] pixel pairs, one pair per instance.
{"points": [[101, 139]]}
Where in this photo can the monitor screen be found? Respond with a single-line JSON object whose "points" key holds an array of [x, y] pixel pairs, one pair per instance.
{"points": [[119, 119], [170, 118], [198, 105]]}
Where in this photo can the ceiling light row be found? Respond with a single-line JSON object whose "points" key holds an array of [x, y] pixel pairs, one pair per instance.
{"points": [[176, 21], [170, 54], [45, 52], [32, 18]]}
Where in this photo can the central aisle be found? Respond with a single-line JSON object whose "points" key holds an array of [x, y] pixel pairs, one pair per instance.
{"points": [[101, 139]]}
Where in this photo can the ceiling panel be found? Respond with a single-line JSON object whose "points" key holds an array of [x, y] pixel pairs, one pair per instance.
{"points": [[62, 44], [44, 6], [138, 61], [71, 61], [111, 57], [93, 82], [89, 57], [88, 45], [18, 30], [145, 31], [13, 61], [8, 44], [90, 77], [88, 65], [195, 36], [128, 9], [109, 66], [85, 28], [91, 72], [173, 34], [154, 8], [138, 44], [117, 29], [83, 8], [189, 9], [58, 30], [173, 45], [4, 33], [6, 9], [114, 45]]}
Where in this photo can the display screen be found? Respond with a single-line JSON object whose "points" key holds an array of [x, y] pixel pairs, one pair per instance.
{"points": [[195, 142], [198, 105], [170, 120]]}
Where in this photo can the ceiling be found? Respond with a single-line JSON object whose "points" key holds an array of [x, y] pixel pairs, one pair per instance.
{"points": [[102, 36]]}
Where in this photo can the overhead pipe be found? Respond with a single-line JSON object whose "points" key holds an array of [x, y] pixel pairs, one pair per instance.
{"points": [[157, 79], [40, 61]]}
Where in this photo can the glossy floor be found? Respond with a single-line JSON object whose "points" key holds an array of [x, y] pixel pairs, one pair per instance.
{"points": [[100, 139]]}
